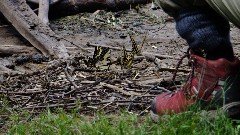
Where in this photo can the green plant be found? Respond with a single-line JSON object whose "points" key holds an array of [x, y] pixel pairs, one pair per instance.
{"points": [[61, 122]]}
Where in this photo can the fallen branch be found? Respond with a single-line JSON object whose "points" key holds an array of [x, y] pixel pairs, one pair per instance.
{"points": [[149, 81], [69, 78], [144, 111], [43, 11], [174, 69], [120, 89], [28, 25], [5, 70], [3, 26], [50, 106], [16, 49], [76, 6], [37, 91], [50, 1]]}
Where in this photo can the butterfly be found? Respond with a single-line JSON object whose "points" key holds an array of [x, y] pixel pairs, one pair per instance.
{"points": [[100, 59], [126, 59], [137, 49]]}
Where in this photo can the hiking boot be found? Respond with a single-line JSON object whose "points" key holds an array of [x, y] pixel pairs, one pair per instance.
{"points": [[212, 82]]}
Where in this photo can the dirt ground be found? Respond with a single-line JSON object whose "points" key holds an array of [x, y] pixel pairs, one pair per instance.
{"points": [[68, 84]]}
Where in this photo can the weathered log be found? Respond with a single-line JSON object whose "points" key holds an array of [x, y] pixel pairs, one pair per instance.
{"points": [[5, 70], [16, 49], [43, 11], [28, 25], [37, 1], [69, 7]]}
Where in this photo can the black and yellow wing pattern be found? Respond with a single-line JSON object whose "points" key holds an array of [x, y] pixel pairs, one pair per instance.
{"points": [[126, 58], [137, 49], [101, 57]]}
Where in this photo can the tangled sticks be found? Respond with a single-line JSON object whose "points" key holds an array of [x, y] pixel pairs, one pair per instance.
{"points": [[68, 86]]}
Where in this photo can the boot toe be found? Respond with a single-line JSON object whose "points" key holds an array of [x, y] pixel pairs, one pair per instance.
{"points": [[169, 102], [153, 106]]}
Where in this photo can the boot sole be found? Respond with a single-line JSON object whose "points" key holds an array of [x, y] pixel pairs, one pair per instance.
{"points": [[154, 117], [232, 111]]}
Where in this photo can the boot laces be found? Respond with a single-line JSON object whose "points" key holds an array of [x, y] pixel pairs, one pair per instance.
{"points": [[191, 64], [187, 55]]}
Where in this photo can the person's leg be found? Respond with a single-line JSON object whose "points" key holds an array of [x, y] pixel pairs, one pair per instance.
{"points": [[205, 31], [215, 76], [227, 8], [203, 28], [172, 7]]}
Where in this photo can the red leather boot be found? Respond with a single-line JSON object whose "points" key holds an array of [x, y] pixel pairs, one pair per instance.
{"points": [[212, 82]]}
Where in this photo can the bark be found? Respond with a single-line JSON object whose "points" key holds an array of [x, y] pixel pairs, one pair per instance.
{"points": [[37, 1], [111, 4], [28, 25], [69, 7], [43, 11], [16, 49], [4, 70]]}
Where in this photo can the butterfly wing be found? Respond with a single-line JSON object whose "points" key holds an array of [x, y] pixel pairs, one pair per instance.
{"points": [[100, 54], [126, 58], [137, 49], [134, 45], [104, 59]]}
